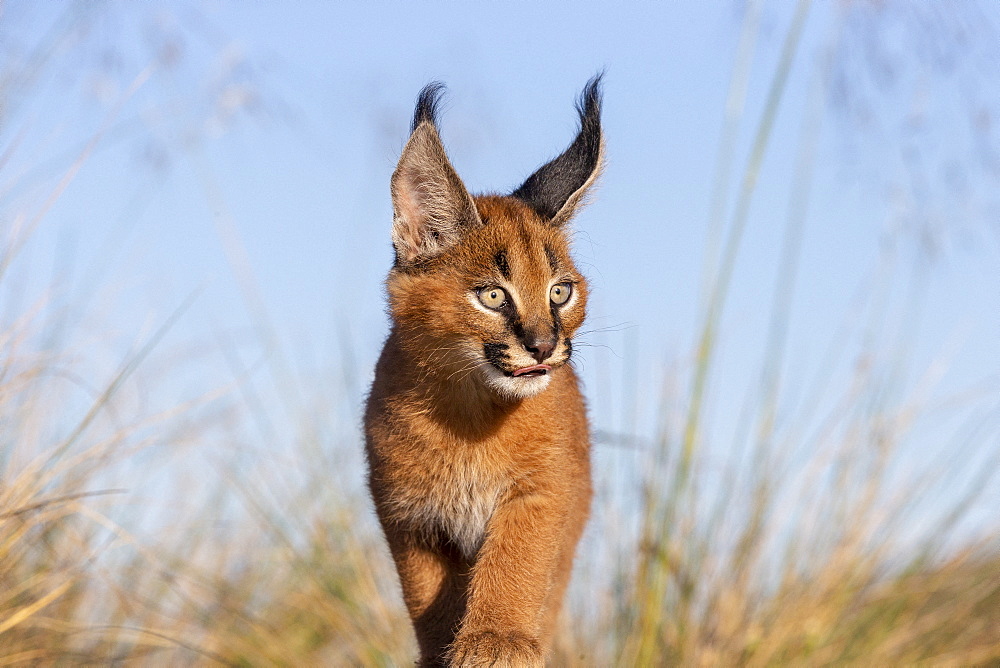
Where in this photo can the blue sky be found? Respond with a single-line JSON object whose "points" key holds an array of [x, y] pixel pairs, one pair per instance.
{"points": [[258, 151]]}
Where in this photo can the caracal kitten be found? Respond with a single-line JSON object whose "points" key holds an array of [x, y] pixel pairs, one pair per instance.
{"points": [[476, 430]]}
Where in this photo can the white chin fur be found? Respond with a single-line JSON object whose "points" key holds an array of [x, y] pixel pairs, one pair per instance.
{"points": [[510, 387]]}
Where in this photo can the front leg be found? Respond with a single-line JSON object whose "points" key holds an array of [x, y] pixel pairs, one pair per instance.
{"points": [[514, 572], [434, 580]]}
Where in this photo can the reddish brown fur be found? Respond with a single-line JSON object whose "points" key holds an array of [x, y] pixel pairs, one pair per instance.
{"points": [[431, 424]]}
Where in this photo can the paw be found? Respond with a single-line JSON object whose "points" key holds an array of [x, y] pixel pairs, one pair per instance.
{"points": [[487, 648]]}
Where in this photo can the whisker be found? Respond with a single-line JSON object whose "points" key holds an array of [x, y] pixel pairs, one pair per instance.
{"points": [[469, 367], [470, 370], [585, 344], [620, 327]]}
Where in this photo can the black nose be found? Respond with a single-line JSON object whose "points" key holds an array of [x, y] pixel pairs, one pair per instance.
{"points": [[540, 349]]}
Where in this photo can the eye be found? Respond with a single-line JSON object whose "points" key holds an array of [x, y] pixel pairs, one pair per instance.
{"points": [[492, 297], [560, 292]]}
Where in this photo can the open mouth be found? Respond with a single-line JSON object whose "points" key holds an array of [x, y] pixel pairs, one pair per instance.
{"points": [[536, 370]]}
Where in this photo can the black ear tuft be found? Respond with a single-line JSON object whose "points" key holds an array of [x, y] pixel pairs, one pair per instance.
{"points": [[589, 107], [555, 190], [427, 104], [431, 207]]}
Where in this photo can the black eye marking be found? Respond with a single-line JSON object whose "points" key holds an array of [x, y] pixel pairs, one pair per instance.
{"points": [[553, 260], [514, 322], [501, 261], [556, 320]]}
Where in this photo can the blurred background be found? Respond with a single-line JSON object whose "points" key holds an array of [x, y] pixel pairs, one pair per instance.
{"points": [[792, 356]]}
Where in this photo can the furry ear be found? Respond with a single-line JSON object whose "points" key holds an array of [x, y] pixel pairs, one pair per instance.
{"points": [[557, 188], [431, 206]]}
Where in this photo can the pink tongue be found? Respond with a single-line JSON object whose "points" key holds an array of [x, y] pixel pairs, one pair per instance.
{"points": [[529, 369]]}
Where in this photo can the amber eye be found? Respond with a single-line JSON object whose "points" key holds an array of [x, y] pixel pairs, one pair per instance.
{"points": [[492, 297], [560, 292]]}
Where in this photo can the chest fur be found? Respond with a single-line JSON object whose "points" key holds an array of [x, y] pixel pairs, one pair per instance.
{"points": [[456, 494]]}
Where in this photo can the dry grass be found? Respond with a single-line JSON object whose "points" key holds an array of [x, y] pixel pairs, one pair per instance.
{"points": [[809, 548], [300, 577], [294, 582]]}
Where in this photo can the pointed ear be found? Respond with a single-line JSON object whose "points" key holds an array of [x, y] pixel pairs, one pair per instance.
{"points": [[556, 190], [431, 206]]}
